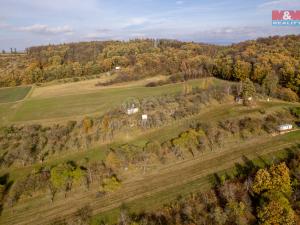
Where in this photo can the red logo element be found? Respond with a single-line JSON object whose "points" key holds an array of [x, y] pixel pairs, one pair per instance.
{"points": [[286, 15]]}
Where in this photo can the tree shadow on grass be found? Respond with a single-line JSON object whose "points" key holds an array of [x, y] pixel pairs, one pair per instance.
{"points": [[250, 166], [5, 184]]}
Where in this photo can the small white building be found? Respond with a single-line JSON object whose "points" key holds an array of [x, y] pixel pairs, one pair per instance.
{"points": [[239, 100], [132, 111], [285, 127], [117, 67], [144, 117]]}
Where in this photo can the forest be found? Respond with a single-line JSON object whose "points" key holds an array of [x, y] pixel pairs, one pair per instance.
{"points": [[263, 60]]}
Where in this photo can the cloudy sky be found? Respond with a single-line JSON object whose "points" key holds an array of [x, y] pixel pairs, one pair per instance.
{"points": [[25, 23]]}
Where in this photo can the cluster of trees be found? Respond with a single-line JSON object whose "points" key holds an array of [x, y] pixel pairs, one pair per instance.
{"points": [[266, 196], [63, 178], [264, 60], [137, 58], [26, 144]]}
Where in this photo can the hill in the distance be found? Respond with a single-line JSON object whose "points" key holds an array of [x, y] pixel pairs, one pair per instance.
{"points": [[278, 57]]}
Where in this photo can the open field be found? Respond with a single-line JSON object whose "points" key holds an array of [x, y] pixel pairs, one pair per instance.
{"points": [[41, 211], [73, 105], [13, 94], [83, 87]]}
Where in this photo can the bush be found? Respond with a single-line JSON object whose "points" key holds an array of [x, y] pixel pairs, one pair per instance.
{"points": [[157, 83], [152, 84], [84, 215], [287, 94], [111, 184], [296, 112]]}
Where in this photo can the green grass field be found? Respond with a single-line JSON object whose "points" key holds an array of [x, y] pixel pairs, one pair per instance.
{"points": [[97, 102], [13, 94]]}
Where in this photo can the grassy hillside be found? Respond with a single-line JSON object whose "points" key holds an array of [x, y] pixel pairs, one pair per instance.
{"points": [[157, 187], [161, 184], [143, 184], [13, 94], [78, 100]]}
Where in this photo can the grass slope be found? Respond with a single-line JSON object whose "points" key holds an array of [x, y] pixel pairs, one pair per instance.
{"points": [[139, 191], [163, 183], [140, 138], [86, 86], [175, 177], [13, 94], [157, 200], [90, 103]]}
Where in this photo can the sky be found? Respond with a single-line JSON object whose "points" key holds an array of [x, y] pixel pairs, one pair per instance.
{"points": [[25, 23]]}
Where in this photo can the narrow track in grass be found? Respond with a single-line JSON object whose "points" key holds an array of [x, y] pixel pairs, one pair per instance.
{"points": [[41, 211]]}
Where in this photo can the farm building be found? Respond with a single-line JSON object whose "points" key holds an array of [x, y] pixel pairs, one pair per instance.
{"points": [[285, 127]]}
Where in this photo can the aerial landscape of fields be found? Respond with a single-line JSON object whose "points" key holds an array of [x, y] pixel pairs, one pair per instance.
{"points": [[150, 129]]}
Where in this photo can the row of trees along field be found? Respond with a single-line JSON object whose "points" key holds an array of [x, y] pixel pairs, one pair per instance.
{"points": [[272, 58]]}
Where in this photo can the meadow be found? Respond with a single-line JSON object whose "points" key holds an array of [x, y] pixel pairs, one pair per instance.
{"points": [[13, 94], [76, 100]]}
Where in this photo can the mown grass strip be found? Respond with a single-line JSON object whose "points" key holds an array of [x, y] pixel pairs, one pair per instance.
{"points": [[13, 94]]}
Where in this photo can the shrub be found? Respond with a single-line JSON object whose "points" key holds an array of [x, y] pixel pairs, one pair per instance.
{"points": [[111, 184], [287, 94], [176, 78], [87, 124], [296, 112], [84, 214]]}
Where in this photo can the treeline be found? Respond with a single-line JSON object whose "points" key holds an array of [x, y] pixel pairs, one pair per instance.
{"points": [[274, 58], [61, 179]]}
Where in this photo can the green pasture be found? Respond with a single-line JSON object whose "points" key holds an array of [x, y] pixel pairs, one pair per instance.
{"points": [[92, 103], [13, 94]]}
